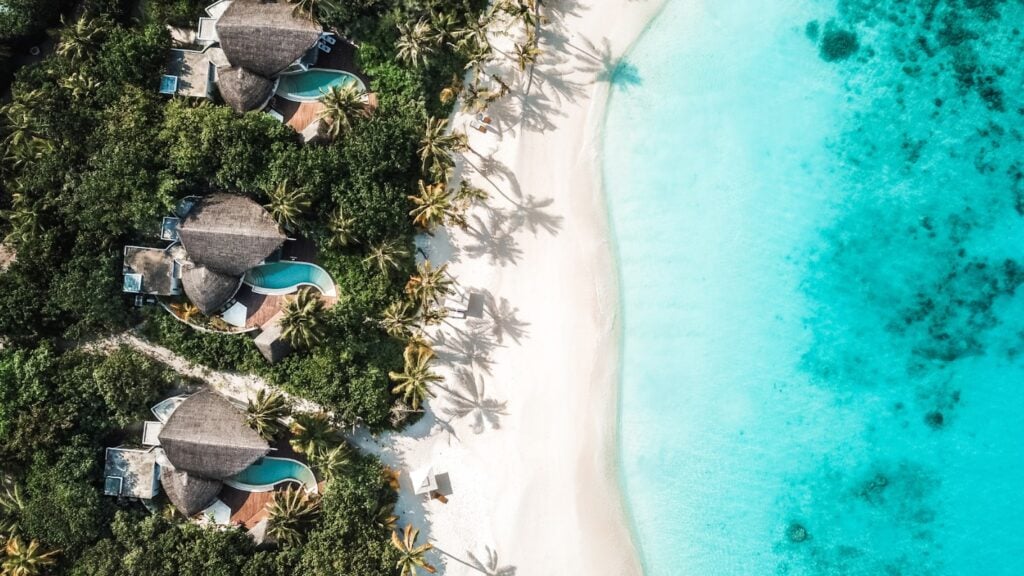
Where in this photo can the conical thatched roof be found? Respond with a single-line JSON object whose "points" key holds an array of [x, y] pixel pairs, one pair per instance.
{"points": [[243, 89], [190, 494], [207, 289], [229, 234], [207, 436], [265, 37]]}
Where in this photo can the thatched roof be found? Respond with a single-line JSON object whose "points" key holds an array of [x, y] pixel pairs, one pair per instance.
{"points": [[229, 234], [265, 37], [207, 289], [243, 89], [270, 343], [207, 436], [189, 493]]}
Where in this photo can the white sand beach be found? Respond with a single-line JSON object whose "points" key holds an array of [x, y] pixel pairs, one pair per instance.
{"points": [[529, 446]]}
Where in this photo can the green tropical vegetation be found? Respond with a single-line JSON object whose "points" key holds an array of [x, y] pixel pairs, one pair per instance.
{"points": [[290, 514], [266, 412], [92, 156], [413, 556], [302, 319]]}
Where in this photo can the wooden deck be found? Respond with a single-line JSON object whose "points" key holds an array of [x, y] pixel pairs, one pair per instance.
{"points": [[247, 508], [302, 115], [259, 307]]}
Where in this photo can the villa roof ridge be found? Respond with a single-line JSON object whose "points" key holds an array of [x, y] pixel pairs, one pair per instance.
{"points": [[208, 436]]}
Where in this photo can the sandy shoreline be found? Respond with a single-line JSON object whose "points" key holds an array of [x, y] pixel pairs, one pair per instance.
{"points": [[530, 447]]}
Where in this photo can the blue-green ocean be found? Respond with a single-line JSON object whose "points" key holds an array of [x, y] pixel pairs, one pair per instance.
{"points": [[819, 213]]}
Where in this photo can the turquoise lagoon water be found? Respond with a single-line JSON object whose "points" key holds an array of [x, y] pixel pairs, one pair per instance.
{"points": [[819, 212], [269, 471], [312, 84], [286, 277]]}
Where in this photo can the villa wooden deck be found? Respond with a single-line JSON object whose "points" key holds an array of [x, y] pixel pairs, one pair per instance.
{"points": [[247, 508], [301, 114], [261, 307]]}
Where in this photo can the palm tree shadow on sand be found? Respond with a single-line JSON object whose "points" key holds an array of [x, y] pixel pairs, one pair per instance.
{"points": [[599, 61], [531, 214], [472, 347], [470, 400], [501, 319], [493, 239]]}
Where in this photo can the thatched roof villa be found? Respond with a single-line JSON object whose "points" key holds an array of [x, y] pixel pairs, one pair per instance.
{"points": [[206, 440], [203, 442], [221, 237], [265, 37]]}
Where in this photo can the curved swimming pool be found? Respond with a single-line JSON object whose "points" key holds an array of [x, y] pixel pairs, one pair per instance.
{"points": [[287, 277], [312, 84], [269, 472]]}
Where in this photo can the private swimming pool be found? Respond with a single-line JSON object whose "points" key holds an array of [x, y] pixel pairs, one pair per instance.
{"points": [[288, 277], [311, 84], [269, 472]]}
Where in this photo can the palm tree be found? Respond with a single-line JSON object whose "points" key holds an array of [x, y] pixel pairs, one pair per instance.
{"points": [[289, 514], [20, 125], [301, 322], [450, 92], [415, 43], [342, 106], [12, 506], [22, 560], [433, 206], [24, 220], [341, 228], [80, 85], [186, 310], [386, 256], [444, 27], [412, 557], [472, 38], [527, 53], [399, 320], [312, 432], [82, 39], [477, 57], [385, 517], [265, 412], [332, 463], [438, 147], [310, 8], [429, 285], [287, 205], [414, 380]]}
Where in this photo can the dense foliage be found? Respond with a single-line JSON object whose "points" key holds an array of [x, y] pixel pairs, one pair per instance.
{"points": [[93, 156]]}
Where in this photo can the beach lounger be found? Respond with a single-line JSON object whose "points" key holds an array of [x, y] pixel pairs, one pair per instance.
{"points": [[324, 47], [479, 126], [329, 38]]}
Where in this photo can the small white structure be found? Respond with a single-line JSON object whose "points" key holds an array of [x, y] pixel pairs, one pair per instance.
{"points": [[151, 433], [218, 513], [424, 481]]}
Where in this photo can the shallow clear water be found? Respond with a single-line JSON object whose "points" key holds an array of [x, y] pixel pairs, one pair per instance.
{"points": [[820, 257], [312, 84]]}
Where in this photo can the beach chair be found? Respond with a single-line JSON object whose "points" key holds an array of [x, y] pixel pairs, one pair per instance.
{"points": [[479, 126]]}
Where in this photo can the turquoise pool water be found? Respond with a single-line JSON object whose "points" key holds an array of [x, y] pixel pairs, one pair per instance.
{"points": [[312, 84], [287, 277], [819, 213], [269, 471]]}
